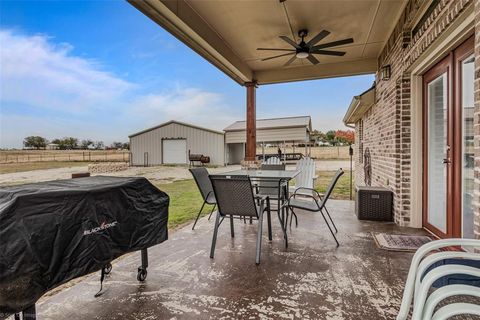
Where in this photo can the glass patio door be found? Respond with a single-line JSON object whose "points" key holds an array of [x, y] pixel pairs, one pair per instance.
{"points": [[448, 144], [464, 69], [438, 150]]}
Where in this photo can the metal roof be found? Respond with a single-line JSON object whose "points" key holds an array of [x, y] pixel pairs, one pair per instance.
{"points": [[287, 122], [177, 122]]}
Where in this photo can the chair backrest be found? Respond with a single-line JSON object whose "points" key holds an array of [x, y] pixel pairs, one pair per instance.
{"points": [[270, 187], [331, 186], [306, 166], [279, 166], [234, 195], [201, 179], [272, 160], [426, 252]]}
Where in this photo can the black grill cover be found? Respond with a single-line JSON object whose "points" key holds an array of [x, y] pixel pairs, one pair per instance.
{"points": [[55, 231]]}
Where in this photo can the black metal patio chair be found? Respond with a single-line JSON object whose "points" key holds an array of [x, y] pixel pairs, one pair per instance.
{"points": [[270, 187], [235, 197], [314, 205], [205, 186], [274, 188]]}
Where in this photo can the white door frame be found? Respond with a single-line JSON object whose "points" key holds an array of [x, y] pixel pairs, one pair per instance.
{"points": [[452, 37]]}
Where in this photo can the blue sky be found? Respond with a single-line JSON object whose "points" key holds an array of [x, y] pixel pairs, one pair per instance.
{"points": [[102, 70]]}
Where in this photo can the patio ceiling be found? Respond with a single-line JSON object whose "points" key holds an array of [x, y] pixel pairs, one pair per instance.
{"points": [[227, 33]]}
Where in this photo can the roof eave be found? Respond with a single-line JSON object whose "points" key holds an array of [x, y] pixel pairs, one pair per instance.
{"points": [[190, 28], [359, 105], [173, 122]]}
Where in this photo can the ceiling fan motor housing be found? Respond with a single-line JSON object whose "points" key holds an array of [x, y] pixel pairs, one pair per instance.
{"points": [[303, 52]]}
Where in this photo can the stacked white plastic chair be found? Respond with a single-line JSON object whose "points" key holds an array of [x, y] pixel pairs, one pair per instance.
{"points": [[306, 177], [419, 283], [272, 160]]}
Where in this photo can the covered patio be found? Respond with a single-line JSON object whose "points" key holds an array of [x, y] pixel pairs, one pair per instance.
{"points": [[312, 279]]}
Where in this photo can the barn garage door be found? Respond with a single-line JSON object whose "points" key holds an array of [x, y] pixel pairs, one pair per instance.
{"points": [[174, 151]]}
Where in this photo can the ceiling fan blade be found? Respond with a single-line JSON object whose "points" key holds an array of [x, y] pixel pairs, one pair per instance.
{"points": [[290, 61], [290, 41], [281, 55], [333, 44], [273, 49], [312, 59], [328, 53], [322, 34]]}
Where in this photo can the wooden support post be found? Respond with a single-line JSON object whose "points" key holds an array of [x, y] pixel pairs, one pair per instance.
{"points": [[250, 150]]}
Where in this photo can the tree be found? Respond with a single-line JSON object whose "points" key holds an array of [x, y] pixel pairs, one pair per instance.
{"points": [[85, 144], [116, 145], [70, 143], [330, 135], [126, 146], [345, 136], [98, 145], [60, 143], [36, 142]]}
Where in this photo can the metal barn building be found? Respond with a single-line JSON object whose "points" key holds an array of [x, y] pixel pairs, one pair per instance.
{"points": [[171, 142], [292, 130]]}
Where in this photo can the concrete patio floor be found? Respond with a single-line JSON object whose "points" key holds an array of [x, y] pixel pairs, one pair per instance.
{"points": [[312, 279]]}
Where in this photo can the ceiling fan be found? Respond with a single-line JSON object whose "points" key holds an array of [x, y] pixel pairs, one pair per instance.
{"points": [[306, 50]]}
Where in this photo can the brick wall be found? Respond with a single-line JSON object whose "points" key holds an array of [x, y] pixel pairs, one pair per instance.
{"points": [[387, 125]]}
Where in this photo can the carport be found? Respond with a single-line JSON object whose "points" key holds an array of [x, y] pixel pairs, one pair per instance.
{"points": [[277, 131]]}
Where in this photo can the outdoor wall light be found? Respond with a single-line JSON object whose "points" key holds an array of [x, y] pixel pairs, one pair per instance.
{"points": [[386, 72]]}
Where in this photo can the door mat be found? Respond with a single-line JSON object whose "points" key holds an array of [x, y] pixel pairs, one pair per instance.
{"points": [[400, 242]]}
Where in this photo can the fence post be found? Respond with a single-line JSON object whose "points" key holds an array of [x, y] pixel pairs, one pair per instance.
{"points": [[54, 157], [83, 155], [105, 155], [89, 156]]}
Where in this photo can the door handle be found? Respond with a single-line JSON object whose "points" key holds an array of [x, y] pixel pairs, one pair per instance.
{"points": [[446, 161]]}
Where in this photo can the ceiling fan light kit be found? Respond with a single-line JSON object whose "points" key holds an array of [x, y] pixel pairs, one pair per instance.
{"points": [[307, 50], [302, 55]]}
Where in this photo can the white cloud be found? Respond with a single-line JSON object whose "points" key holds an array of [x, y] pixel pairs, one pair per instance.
{"points": [[185, 104], [45, 77], [38, 73]]}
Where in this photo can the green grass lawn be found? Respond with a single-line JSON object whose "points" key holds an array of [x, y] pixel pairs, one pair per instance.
{"points": [[342, 189], [185, 199]]}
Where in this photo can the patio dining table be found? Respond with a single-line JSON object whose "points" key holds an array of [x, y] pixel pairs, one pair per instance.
{"points": [[282, 176]]}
